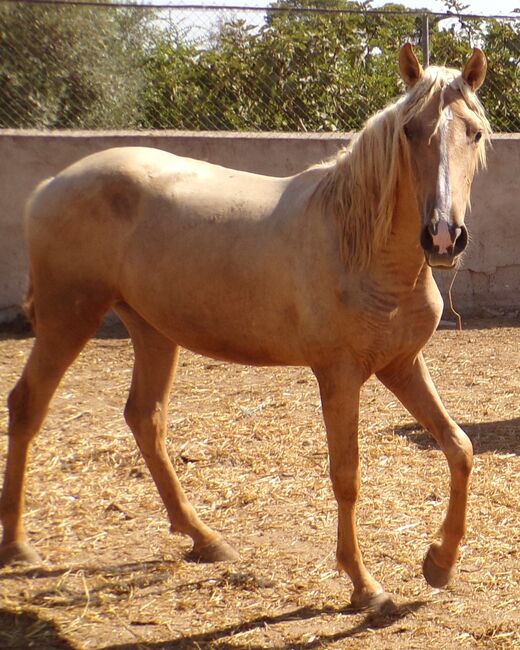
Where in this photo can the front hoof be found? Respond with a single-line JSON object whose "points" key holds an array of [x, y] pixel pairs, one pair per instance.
{"points": [[435, 575], [379, 602], [219, 551], [18, 553]]}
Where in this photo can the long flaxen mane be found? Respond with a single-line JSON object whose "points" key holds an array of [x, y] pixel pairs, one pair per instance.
{"points": [[360, 187]]}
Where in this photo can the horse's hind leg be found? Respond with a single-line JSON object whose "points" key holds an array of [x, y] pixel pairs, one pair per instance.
{"points": [[146, 414], [412, 384], [60, 336]]}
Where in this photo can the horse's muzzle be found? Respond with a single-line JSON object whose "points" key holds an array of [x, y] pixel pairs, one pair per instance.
{"points": [[443, 245]]}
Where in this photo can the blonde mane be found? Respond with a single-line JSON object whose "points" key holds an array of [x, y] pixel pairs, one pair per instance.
{"points": [[360, 187]]}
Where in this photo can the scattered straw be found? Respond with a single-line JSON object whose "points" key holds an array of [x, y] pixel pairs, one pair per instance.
{"points": [[249, 448]]}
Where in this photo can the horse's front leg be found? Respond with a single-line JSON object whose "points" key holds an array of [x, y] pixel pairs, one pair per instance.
{"points": [[410, 381], [339, 390]]}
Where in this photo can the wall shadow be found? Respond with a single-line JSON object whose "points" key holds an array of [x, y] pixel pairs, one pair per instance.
{"points": [[20, 328], [112, 328], [17, 328], [485, 318]]}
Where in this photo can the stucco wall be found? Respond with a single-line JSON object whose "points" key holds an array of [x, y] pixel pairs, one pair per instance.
{"points": [[490, 277]]}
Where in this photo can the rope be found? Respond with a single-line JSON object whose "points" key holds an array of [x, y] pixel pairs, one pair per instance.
{"points": [[458, 317]]}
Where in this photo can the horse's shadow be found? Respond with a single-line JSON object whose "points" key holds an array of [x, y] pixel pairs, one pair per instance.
{"points": [[371, 620], [122, 578], [502, 436], [24, 622], [21, 630]]}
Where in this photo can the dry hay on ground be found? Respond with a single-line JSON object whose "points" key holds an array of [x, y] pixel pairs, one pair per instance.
{"points": [[250, 450]]}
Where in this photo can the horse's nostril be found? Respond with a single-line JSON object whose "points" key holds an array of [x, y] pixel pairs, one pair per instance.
{"points": [[443, 245], [461, 240], [427, 239]]}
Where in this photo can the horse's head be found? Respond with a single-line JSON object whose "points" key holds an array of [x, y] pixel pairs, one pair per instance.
{"points": [[445, 129]]}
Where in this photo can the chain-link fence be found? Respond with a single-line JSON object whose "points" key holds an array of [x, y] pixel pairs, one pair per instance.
{"points": [[108, 65]]}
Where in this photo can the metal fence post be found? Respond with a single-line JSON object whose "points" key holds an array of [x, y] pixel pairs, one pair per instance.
{"points": [[425, 40]]}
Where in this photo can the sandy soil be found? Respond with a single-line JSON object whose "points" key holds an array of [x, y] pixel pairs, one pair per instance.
{"points": [[250, 451]]}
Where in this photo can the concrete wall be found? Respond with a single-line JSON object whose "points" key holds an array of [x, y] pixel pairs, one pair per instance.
{"points": [[491, 275]]}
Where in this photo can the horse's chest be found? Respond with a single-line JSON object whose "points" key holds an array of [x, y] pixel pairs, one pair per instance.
{"points": [[388, 324]]}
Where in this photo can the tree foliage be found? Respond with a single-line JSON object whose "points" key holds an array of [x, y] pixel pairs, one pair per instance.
{"points": [[295, 70], [298, 72], [313, 71], [67, 67]]}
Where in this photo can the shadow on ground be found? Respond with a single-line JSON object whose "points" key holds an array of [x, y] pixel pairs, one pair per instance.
{"points": [[22, 630], [216, 638], [117, 579], [501, 436]]}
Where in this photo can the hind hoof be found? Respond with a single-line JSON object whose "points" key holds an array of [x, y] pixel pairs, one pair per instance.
{"points": [[18, 553], [435, 575], [219, 551]]}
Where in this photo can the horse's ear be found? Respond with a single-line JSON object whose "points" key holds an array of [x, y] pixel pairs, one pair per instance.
{"points": [[475, 69], [409, 67]]}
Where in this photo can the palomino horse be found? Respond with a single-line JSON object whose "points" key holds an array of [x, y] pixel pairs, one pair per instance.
{"points": [[328, 269]]}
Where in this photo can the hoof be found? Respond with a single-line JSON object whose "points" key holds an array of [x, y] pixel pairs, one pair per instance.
{"points": [[379, 602], [18, 553], [435, 575], [219, 551]]}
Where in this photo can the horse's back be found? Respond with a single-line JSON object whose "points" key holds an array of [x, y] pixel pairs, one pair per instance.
{"points": [[210, 256], [126, 183], [101, 201]]}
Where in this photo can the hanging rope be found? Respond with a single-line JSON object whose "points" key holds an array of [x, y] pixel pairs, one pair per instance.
{"points": [[458, 317]]}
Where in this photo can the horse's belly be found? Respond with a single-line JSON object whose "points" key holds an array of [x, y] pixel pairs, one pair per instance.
{"points": [[213, 309], [225, 334], [240, 350]]}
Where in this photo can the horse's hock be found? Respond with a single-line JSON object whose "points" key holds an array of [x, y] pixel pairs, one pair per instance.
{"points": [[490, 276]]}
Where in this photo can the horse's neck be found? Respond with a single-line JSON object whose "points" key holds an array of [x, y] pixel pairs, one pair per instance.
{"points": [[403, 252]]}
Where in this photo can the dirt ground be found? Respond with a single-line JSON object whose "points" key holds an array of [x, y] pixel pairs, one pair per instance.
{"points": [[249, 448]]}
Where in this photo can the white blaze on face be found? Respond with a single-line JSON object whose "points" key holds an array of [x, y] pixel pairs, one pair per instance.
{"points": [[441, 215]]}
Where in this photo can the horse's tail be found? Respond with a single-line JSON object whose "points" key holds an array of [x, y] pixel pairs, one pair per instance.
{"points": [[28, 302]]}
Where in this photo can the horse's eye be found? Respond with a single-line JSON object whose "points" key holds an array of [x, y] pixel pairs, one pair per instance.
{"points": [[478, 135], [407, 131]]}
